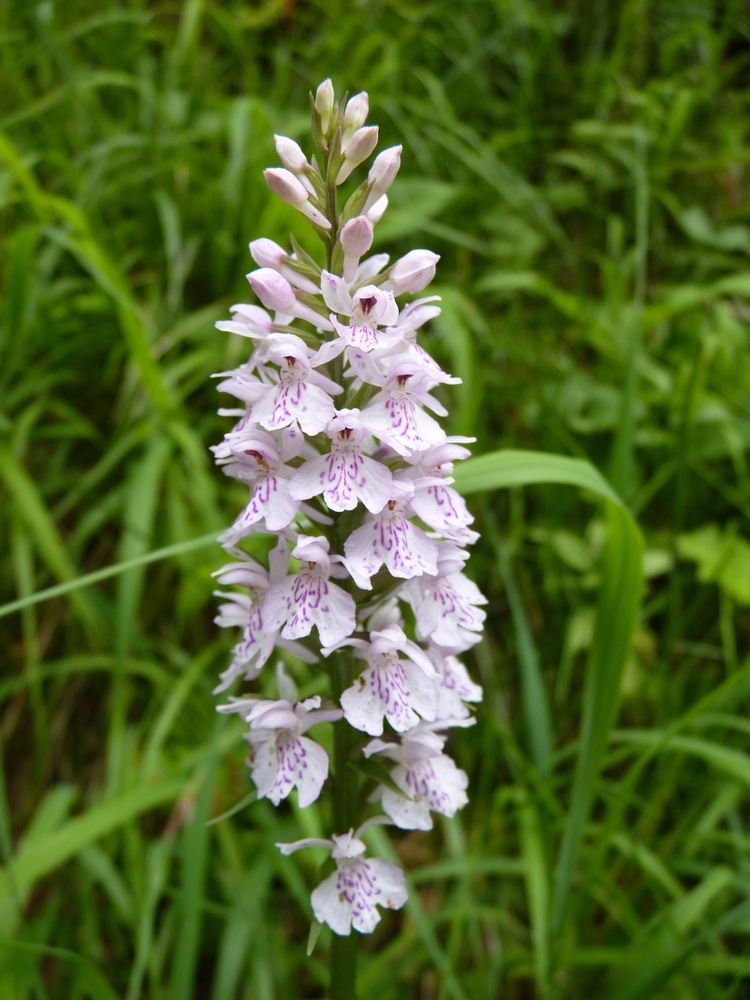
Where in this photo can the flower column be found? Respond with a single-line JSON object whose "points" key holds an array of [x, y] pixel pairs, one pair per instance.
{"points": [[349, 471]]}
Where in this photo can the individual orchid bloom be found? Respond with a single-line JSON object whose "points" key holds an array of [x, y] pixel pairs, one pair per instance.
{"points": [[413, 272], [447, 606], [261, 631], [435, 502], [396, 415], [308, 598], [281, 757], [428, 778], [302, 393], [260, 464], [344, 476], [350, 896], [389, 538], [455, 687], [369, 309], [400, 689]]}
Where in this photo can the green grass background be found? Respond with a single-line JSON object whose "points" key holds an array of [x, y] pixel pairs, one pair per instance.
{"points": [[582, 169]]}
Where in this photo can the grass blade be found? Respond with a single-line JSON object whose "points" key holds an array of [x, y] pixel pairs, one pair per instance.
{"points": [[194, 859], [619, 600], [168, 552], [33, 511]]}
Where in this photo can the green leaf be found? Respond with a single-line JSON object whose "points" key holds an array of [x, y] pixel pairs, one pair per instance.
{"points": [[502, 469], [617, 612], [619, 601]]}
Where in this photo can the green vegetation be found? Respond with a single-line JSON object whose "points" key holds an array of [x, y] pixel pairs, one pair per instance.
{"points": [[581, 167]]}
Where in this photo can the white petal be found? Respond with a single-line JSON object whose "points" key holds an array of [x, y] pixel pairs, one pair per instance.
{"points": [[330, 906], [401, 424], [422, 690], [444, 510], [327, 352], [335, 616], [313, 771], [335, 293], [380, 691], [405, 814], [351, 894], [309, 479], [402, 546], [294, 399]]}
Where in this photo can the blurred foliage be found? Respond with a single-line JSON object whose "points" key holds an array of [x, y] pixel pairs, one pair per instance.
{"points": [[581, 168]]}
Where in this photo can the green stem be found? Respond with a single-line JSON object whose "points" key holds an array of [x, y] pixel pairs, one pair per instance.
{"points": [[343, 953]]}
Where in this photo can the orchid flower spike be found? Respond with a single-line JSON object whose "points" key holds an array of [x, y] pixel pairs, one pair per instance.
{"points": [[337, 439]]}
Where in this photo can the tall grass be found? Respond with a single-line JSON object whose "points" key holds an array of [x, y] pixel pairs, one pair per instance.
{"points": [[581, 167]]}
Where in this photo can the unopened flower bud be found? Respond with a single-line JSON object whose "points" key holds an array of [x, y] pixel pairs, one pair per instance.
{"points": [[376, 211], [413, 272], [382, 174], [273, 290], [290, 153], [356, 239], [324, 97], [356, 236], [284, 184], [266, 253], [359, 148], [355, 116]]}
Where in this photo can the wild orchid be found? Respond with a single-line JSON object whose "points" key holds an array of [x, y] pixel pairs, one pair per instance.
{"points": [[349, 471]]}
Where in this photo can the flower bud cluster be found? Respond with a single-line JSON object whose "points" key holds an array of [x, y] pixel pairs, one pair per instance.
{"points": [[346, 465]]}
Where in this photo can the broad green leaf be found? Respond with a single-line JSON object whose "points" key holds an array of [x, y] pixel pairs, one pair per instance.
{"points": [[619, 601], [502, 469], [617, 611]]}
